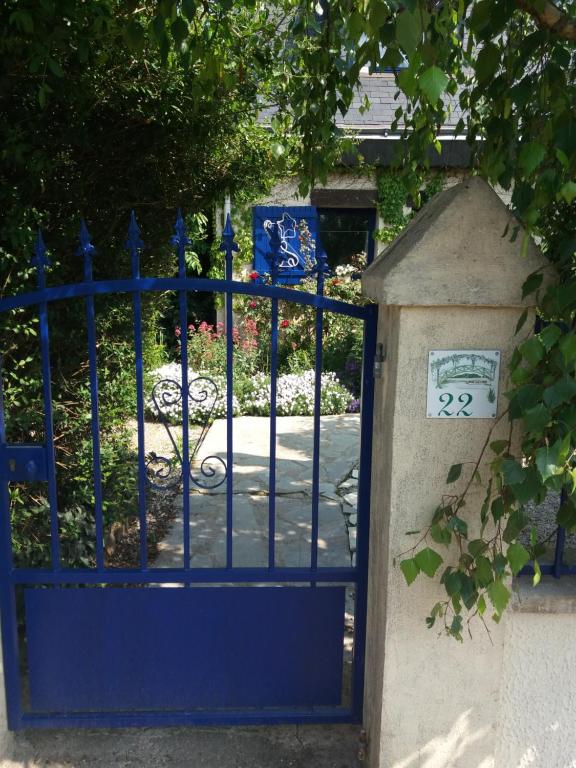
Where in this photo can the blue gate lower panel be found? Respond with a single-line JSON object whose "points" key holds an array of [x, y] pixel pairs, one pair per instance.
{"points": [[157, 648]]}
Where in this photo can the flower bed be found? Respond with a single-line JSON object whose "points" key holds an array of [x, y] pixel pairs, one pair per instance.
{"points": [[295, 394]]}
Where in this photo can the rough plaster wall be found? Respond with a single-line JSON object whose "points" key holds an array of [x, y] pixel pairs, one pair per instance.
{"points": [[379, 565], [286, 192], [538, 692], [440, 699]]}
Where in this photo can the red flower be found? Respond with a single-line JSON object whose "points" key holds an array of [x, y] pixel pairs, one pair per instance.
{"points": [[253, 304], [254, 275], [284, 323]]}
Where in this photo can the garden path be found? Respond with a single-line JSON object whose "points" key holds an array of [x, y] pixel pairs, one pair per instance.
{"points": [[339, 452]]}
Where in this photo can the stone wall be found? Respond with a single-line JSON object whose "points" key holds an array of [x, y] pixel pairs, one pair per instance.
{"points": [[451, 281]]}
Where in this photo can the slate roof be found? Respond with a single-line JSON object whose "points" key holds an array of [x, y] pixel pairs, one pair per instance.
{"points": [[381, 90]]}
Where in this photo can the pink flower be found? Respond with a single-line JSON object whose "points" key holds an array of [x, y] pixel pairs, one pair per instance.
{"points": [[203, 326], [253, 305], [177, 331], [191, 327]]}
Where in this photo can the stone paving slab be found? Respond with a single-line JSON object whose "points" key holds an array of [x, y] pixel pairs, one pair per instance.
{"points": [[339, 453], [292, 538]]}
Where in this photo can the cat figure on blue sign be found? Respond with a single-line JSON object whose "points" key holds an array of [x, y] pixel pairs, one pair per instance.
{"points": [[287, 229]]}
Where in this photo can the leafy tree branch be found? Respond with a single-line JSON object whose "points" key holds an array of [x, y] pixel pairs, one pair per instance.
{"points": [[552, 18]]}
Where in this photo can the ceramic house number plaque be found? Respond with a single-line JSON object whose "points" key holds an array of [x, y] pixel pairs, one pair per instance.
{"points": [[463, 383]]}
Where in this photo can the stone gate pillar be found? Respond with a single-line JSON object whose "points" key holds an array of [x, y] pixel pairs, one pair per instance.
{"points": [[451, 281]]}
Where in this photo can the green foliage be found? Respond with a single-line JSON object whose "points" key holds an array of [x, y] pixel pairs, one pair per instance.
{"points": [[67, 73], [341, 342], [512, 79], [394, 194], [392, 199], [342, 337], [96, 120]]}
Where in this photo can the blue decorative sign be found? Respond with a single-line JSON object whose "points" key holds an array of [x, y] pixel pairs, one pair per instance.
{"points": [[299, 243]]}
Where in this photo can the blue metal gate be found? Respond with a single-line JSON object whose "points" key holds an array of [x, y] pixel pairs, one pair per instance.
{"points": [[234, 644]]}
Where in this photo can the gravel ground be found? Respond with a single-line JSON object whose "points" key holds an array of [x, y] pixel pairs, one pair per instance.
{"points": [[543, 518]]}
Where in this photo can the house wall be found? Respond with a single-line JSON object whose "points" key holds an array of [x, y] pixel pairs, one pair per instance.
{"points": [[538, 682], [286, 192]]}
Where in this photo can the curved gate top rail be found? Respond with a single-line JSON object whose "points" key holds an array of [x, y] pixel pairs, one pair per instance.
{"points": [[159, 284], [266, 289], [303, 639]]}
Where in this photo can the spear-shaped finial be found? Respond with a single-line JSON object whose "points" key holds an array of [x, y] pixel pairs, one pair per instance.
{"points": [[133, 240], [228, 245], [39, 259], [228, 236], [86, 249], [321, 269], [180, 237], [134, 245]]}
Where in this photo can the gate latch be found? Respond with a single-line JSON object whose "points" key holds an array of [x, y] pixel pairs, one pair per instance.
{"points": [[379, 358], [23, 463]]}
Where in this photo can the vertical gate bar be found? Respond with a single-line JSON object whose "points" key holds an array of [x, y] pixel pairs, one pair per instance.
{"points": [[272, 472], [134, 244], [180, 240], [229, 246], [8, 615], [41, 262], [87, 250], [321, 268], [274, 265], [560, 542], [363, 519], [559, 552]]}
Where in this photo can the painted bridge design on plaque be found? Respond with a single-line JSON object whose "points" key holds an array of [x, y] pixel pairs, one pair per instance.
{"points": [[470, 367]]}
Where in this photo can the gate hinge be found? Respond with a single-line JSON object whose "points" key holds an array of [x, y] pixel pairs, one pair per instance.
{"points": [[379, 358], [362, 745], [23, 463]]}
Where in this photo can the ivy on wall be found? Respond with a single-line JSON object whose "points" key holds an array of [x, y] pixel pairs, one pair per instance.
{"points": [[396, 206]]}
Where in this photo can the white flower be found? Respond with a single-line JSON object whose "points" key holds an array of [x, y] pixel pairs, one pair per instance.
{"points": [[207, 395]]}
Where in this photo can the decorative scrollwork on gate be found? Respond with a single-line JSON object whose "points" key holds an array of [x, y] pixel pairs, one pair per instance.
{"points": [[165, 473]]}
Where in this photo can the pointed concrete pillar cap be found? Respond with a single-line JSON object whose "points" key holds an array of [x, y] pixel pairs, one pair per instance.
{"points": [[454, 252]]}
